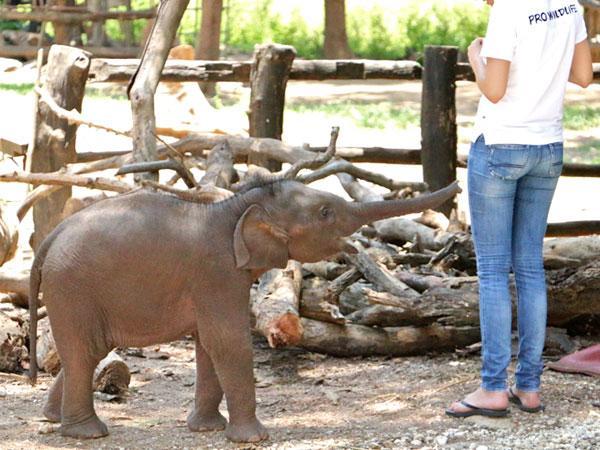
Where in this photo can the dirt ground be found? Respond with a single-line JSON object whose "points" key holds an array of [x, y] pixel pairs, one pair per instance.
{"points": [[310, 401]]}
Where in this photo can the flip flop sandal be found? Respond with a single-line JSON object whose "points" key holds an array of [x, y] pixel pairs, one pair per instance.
{"points": [[513, 398], [476, 411]]}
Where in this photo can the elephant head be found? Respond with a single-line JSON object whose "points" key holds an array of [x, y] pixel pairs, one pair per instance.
{"points": [[288, 220]]}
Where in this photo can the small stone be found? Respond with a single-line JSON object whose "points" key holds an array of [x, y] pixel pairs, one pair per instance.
{"points": [[481, 447], [3, 393], [416, 442], [441, 440]]}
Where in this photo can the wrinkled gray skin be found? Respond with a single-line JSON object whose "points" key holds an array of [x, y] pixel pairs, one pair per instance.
{"points": [[145, 268]]}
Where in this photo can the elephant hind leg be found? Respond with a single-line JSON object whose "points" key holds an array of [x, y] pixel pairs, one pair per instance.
{"points": [[54, 401], [79, 420], [206, 416]]}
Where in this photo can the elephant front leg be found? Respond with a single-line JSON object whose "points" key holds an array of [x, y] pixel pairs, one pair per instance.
{"points": [[205, 415], [225, 334]]}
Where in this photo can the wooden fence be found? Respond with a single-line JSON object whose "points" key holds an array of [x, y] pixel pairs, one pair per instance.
{"points": [[439, 74]]}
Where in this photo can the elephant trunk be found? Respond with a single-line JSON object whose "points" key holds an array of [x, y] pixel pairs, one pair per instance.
{"points": [[363, 213]]}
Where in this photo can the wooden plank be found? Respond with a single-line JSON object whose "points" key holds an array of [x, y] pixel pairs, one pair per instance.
{"points": [[30, 51], [74, 17], [570, 229]]}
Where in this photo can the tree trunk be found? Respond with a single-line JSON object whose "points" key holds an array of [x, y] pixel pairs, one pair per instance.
{"points": [[54, 145], [9, 237], [335, 44], [145, 80], [209, 38]]}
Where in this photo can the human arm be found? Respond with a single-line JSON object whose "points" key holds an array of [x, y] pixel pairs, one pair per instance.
{"points": [[492, 78], [582, 73]]}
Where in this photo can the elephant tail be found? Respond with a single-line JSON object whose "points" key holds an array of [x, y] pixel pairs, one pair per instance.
{"points": [[35, 280]]}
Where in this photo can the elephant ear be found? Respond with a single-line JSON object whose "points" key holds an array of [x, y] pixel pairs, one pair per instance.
{"points": [[258, 242]]}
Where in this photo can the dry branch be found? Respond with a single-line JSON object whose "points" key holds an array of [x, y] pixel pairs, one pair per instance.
{"points": [[66, 179]]}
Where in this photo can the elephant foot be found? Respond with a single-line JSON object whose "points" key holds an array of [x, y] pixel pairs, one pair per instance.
{"points": [[246, 432], [207, 422], [91, 428], [52, 413]]}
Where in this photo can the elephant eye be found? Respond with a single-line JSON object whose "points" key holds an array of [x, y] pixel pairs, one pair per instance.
{"points": [[325, 211]]}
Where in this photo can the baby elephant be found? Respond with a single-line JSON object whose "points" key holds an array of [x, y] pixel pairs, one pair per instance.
{"points": [[145, 268]]}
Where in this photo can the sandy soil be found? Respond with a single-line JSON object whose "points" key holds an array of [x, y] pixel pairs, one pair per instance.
{"points": [[309, 401]]}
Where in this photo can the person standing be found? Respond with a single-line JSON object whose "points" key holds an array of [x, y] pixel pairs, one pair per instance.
{"points": [[530, 51]]}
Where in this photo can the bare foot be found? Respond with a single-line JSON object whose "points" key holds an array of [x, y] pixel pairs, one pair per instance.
{"points": [[482, 399], [214, 422], [246, 432], [88, 429]]}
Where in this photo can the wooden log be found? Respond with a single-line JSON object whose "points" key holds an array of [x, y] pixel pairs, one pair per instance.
{"points": [[382, 278], [12, 345], [112, 375], [46, 354], [55, 139], [275, 305], [316, 304], [401, 230], [583, 249], [438, 120], [14, 282], [61, 178], [268, 80], [145, 81], [353, 298], [9, 237], [359, 340], [325, 269], [419, 283]]}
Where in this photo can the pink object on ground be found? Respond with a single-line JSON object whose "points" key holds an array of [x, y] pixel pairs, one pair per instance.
{"points": [[586, 361]]}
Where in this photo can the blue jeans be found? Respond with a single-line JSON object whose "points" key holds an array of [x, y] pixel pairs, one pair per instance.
{"points": [[510, 191]]}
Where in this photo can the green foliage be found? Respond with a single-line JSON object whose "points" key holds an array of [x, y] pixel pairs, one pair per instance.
{"points": [[378, 115], [369, 37], [581, 117], [433, 23]]}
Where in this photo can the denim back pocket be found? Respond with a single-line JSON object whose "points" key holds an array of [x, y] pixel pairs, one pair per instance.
{"points": [[508, 161], [556, 159]]}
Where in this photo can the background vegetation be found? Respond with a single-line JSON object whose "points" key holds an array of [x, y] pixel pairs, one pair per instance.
{"points": [[377, 29]]}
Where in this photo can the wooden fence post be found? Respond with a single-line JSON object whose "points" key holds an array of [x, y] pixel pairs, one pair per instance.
{"points": [[268, 79], [438, 120], [54, 141]]}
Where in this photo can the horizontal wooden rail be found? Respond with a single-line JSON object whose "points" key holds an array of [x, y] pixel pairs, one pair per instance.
{"points": [[121, 70], [73, 16], [106, 70], [30, 51]]}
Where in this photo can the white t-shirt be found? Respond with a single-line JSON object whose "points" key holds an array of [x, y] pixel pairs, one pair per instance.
{"points": [[538, 37]]}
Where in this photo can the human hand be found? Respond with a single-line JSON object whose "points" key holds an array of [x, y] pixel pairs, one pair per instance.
{"points": [[490, 2]]}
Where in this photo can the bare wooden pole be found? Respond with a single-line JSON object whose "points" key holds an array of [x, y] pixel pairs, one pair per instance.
{"points": [[54, 147], [438, 120], [268, 78], [145, 81]]}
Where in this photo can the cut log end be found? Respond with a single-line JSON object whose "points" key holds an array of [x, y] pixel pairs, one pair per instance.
{"points": [[284, 331]]}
